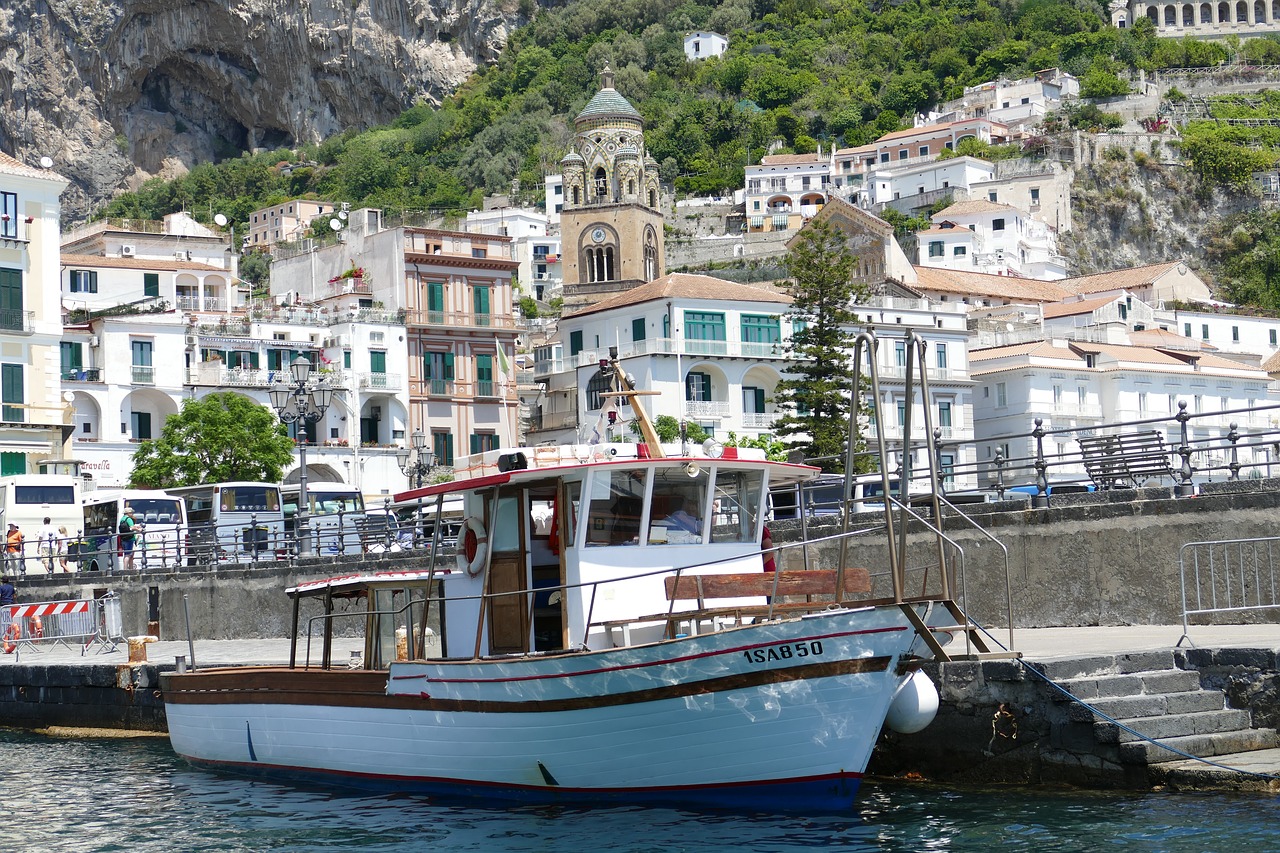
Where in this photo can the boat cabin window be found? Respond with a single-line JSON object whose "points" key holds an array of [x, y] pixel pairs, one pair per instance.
{"points": [[736, 505], [504, 532], [679, 507], [615, 508]]}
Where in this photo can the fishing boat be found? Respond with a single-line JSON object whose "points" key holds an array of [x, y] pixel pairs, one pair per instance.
{"points": [[605, 632]]}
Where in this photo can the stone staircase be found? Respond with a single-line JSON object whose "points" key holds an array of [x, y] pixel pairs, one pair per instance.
{"points": [[1152, 697]]}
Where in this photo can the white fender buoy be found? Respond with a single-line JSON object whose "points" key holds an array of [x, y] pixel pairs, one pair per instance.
{"points": [[914, 705]]}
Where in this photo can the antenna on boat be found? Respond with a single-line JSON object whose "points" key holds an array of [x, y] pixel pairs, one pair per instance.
{"points": [[624, 386]]}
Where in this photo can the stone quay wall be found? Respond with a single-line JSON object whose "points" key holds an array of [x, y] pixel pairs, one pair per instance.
{"points": [[105, 696], [1102, 558]]}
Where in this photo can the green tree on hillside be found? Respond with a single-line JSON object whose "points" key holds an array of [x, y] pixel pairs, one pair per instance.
{"points": [[221, 437], [816, 402]]}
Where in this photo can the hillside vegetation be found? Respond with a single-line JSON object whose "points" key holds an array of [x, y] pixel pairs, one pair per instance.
{"points": [[799, 73]]}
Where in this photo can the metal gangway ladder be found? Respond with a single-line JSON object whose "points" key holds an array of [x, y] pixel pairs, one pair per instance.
{"points": [[950, 554]]}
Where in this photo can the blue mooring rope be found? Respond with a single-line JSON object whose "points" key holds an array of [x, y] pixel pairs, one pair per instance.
{"points": [[1065, 692]]}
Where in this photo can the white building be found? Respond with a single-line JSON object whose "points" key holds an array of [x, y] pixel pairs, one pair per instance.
{"points": [[34, 419], [540, 272], [712, 349], [704, 46], [1079, 386], [786, 190], [910, 187], [553, 192], [1018, 104], [991, 238]]}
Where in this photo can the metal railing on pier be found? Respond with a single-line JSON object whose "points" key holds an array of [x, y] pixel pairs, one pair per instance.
{"points": [[45, 624], [1237, 576]]}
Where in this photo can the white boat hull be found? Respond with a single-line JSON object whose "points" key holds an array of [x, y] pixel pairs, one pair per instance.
{"points": [[777, 715]]}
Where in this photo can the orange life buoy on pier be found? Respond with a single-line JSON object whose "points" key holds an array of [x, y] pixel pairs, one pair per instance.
{"points": [[11, 636]]}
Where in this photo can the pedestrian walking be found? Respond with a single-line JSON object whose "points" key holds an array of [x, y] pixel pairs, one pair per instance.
{"points": [[127, 537], [63, 537], [13, 551], [46, 544]]}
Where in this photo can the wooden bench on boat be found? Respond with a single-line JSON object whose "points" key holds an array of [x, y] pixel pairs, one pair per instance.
{"points": [[784, 587]]}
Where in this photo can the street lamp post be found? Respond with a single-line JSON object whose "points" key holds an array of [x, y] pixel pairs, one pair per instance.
{"points": [[301, 401], [417, 462]]}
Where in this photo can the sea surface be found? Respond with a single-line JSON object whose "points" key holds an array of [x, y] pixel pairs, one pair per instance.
{"points": [[136, 795]]}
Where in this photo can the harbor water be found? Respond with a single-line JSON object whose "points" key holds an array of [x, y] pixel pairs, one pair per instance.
{"points": [[100, 794]]}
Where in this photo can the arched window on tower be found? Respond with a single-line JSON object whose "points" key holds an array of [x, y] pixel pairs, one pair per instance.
{"points": [[602, 185], [608, 264], [631, 187], [650, 262], [653, 199], [575, 196]]}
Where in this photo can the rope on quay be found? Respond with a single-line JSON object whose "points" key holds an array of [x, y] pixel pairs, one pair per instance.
{"points": [[1065, 692]]}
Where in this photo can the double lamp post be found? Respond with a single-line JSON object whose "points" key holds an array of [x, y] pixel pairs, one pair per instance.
{"points": [[416, 461], [303, 402]]}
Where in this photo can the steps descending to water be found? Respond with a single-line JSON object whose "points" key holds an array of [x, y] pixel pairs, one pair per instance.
{"points": [[1146, 695]]}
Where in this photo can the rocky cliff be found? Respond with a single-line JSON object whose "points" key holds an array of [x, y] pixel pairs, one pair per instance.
{"points": [[116, 91]]}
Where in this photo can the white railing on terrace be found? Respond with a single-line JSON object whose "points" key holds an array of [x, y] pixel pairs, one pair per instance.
{"points": [[760, 420], [451, 318], [1077, 410], [664, 346], [196, 303], [381, 381], [935, 374], [706, 408]]}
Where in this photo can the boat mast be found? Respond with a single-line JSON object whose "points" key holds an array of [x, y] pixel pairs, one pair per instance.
{"points": [[624, 387]]}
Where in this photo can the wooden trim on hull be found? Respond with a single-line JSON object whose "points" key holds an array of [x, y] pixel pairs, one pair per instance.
{"points": [[362, 689]]}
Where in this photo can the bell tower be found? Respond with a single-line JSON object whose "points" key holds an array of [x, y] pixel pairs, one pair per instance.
{"points": [[611, 224]]}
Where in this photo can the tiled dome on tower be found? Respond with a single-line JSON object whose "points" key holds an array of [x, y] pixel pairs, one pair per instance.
{"points": [[611, 224]]}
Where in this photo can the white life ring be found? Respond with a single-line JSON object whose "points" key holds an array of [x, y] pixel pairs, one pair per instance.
{"points": [[473, 544]]}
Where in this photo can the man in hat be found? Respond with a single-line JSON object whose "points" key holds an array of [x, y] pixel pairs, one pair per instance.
{"points": [[127, 536], [13, 550]]}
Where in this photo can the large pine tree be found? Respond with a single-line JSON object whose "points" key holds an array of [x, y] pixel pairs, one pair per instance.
{"points": [[816, 400]]}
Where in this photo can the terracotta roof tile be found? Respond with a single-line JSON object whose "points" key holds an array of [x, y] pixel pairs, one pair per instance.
{"points": [[1128, 279], [11, 166], [136, 263], [792, 160], [1082, 306], [985, 285], [968, 208], [688, 286]]}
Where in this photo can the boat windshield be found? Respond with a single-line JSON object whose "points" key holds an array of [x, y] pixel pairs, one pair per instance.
{"points": [[615, 506], [679, 507], [736, 505]]}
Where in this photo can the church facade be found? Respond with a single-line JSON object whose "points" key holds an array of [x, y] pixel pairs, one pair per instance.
{"points": [[1219, 18], [611, 223]]}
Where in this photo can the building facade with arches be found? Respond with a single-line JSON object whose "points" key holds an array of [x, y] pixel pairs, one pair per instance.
{"points": [[1204, 19], [713, 350], [611, 221]]}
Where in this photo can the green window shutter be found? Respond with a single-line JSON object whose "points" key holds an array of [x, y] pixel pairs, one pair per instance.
{"points": [[12, 463], [484, 368], [377, 361], [760, 329], [442, 446], [637, 329], [12, 390], [575, 342], [346, 359], [703, 326], [11, 316], [480, 301], [435, 296], [151, 284], [72, 357], [448, 367], [253, 360], [475, 443]]}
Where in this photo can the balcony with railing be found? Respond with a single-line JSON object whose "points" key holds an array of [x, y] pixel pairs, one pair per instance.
{"points": [[459, 319], [1079, 411], [543, 420], [143, 374], [380, 381], [487, 388], [82, 374], [706, 408], [187, 302], [16, 320], [760, 420]]}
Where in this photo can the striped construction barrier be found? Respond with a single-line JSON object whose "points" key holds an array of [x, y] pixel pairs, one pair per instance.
{"points": [[83, 622]]}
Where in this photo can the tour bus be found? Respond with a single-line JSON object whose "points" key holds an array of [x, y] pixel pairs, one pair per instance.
{"points": [[821, 495], [239, 522], [28, 499], [159, 537], [334, 512]]}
